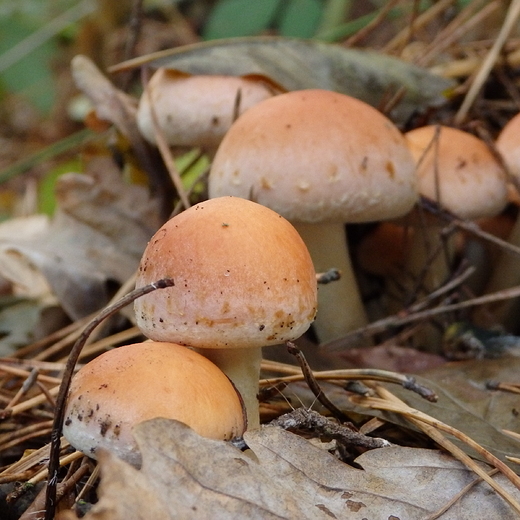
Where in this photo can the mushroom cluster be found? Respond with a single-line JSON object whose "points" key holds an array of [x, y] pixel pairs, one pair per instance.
{"points": [[244, 279], [131, 384]]}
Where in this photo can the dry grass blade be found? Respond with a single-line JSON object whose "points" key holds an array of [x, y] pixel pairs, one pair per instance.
{"points": [[65, 337], [30, 464], [434, 428], [26, 405], [371, 26], [512, 16], [21, 435], [67, 459], [423, 19], [406, 317], [362, 374], [514, 388], [104, 344], [457, 28], [458, 496], [515, 435]]}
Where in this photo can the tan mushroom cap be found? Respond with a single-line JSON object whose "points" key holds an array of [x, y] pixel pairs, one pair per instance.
{"points": [[134, 383], [243, 278], [196, 110], [508, 144], [317, 155], [471, 181]]}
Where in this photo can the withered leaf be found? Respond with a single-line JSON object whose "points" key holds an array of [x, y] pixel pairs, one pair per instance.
{"points": [[186, 476], [299, 64], [98, 234]]}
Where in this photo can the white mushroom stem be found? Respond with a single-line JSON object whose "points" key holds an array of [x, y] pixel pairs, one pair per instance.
{"points": [[340, 308], [242, 366]]}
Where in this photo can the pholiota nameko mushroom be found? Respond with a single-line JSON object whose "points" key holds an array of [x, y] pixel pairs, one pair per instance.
{"points": [[196, 110], [458, 171], [128, 385], [321, 159], [243, 280]]}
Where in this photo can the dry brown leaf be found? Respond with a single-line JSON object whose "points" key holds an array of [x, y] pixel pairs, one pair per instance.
{"points": [[464, 403], [98, 234], [189, 477]]}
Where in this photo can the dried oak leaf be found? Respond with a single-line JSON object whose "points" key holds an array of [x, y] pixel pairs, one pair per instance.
{"points": [[189, 477], [98, 233]]}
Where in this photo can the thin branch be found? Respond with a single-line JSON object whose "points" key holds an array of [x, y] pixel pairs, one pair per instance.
{"points": [[313, 384], [59, 414]]}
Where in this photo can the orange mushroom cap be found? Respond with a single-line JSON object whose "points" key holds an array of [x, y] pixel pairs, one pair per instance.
{"points": [[128, 385], [317, 156], [471, 182], [243, 278]]}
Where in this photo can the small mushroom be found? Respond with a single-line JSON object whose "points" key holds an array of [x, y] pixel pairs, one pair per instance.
{"points": [[128, 385], [243, 280], [459, 172], [196, 110], [321, 159]]}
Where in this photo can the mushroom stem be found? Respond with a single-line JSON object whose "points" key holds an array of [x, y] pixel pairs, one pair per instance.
{"points": [[340, 308], [506, 274], [242, 366]]}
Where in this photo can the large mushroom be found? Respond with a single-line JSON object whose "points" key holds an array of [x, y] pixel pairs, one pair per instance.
{"points": [[243, 280], [128, 385], [321, 159]]}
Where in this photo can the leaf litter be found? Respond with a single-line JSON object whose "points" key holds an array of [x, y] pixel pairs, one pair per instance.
{"points": [[284, 475], [186, 476]]}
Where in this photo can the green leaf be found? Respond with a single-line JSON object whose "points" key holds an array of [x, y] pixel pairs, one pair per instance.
{"points": [[231, 18], [300, 18], [32, 75], [192, 166], [297, 64]]}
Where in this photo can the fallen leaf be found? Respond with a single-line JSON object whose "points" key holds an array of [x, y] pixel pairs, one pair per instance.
{"points": [[464, 402], [391, 357], [20, 319], [299, 64], [97, 235], [189, 477]]}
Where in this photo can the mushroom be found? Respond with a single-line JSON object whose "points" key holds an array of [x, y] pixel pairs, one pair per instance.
{"points": [[196, 110], [131, 384], [243, 280], [506, 271], [459, 172], [321, 159]]}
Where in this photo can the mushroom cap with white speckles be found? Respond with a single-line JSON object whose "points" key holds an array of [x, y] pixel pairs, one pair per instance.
{"points": [[315, 156]]}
